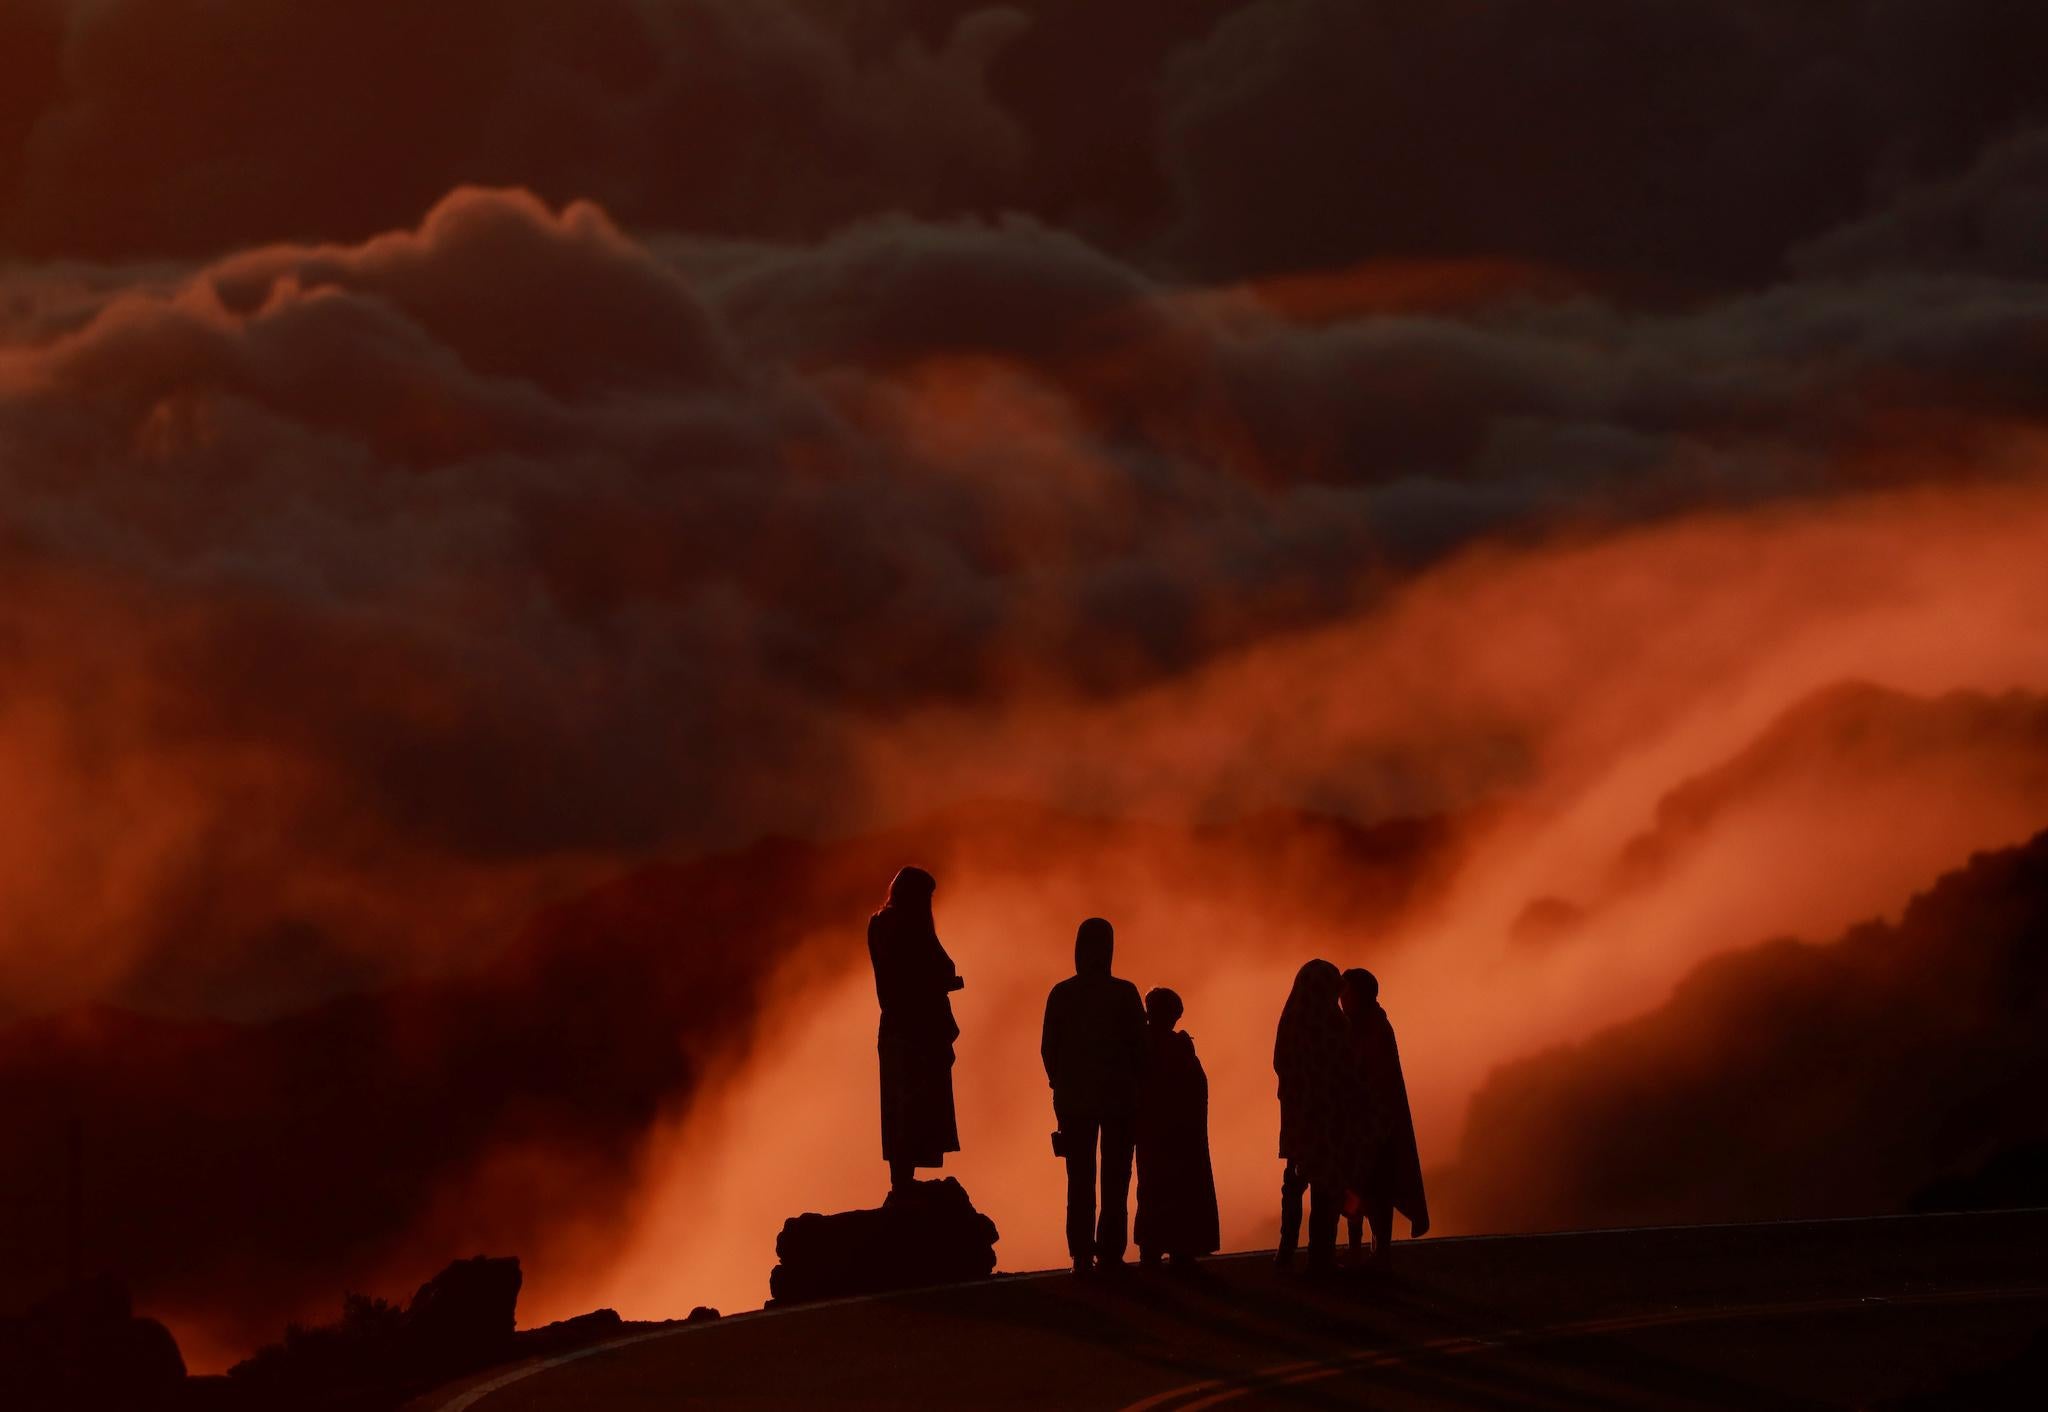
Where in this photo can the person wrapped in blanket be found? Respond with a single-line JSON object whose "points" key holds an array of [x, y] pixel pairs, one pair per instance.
{"points": [[1176, 1183], [1321, 1107], [1388, 1177]]}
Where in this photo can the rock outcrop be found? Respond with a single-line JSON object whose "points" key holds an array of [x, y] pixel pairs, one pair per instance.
{"points": [[85, 1347], [458, 1321], [926, 1234]]}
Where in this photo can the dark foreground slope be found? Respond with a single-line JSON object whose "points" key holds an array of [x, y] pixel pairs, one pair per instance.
{"points": [[1831, 1314]]}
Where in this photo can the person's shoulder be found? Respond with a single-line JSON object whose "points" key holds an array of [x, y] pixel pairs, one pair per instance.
{"points": [[1063, 988], [1128, 987]]}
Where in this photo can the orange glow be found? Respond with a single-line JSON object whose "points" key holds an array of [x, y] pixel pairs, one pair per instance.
{"points": [[1630, 664], [1547, 698]]}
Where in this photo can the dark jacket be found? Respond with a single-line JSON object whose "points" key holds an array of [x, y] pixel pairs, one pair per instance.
{"points": [[1093, 1044]]}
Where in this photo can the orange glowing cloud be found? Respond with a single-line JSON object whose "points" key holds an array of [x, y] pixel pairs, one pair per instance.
{"points": [[374, 597], [1607, 676]]}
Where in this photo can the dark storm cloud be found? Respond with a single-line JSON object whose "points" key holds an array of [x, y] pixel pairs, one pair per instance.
{"points": [[895, 289], [545, 538], [1688, 144], [1991, 219], [138, 126]]}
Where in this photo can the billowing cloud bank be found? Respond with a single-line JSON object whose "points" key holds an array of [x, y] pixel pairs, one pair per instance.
{"points": [[459, 561], [470, 453]]}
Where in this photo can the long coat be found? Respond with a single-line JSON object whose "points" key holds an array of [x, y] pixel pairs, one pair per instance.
{"points": [[1393, 1164], [914, 979], [1176, 1186], [1322, 1106]]}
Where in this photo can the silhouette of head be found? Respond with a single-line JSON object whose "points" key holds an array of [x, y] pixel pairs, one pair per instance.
{"points": [[912, 887], [1311, 1009], [1318, 982], [1361, 988], [1094, 945], [1162, 1008]]}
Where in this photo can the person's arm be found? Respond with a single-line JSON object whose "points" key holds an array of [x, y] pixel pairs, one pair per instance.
{"points": [[948, 974], [1049, 1039]]}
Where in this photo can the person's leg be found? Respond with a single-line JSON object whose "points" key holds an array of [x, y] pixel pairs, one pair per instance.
{"points": [[1292, 1184], [1379, 1210], [1112, 1230], [901, 1175], [1324, 1201], [1080, 1143]]}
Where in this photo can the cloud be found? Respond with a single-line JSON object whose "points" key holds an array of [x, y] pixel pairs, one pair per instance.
{"points": [[488, 552], [1685, 144], [1854, 738], [190, 128], [1787, 1080], [1688, 145], [1991, 219], [468, 456]]}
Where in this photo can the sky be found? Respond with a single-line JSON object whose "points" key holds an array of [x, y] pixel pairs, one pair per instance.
{"points": [[456, 456]]}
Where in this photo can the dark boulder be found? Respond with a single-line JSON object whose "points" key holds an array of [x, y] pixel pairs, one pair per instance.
{"points": [[377, 1354], [926, 1234], [84, 1347], [565, 1335], [465, 1315]]}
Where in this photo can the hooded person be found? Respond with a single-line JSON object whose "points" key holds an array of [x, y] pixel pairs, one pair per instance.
{"points": [[1320, 1111], [1389, 1178], [1176, 1185], [914, 980], [1093, 1045]]}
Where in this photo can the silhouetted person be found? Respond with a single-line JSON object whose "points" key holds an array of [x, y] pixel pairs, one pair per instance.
{"points": [[1390, 1177], [914, 978], [1320, 1108], [1176, 1187], [1094, 1047]]}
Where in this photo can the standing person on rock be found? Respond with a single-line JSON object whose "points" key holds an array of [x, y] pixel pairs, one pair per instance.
{"points": [[1093, 1046], [914, 980]]}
